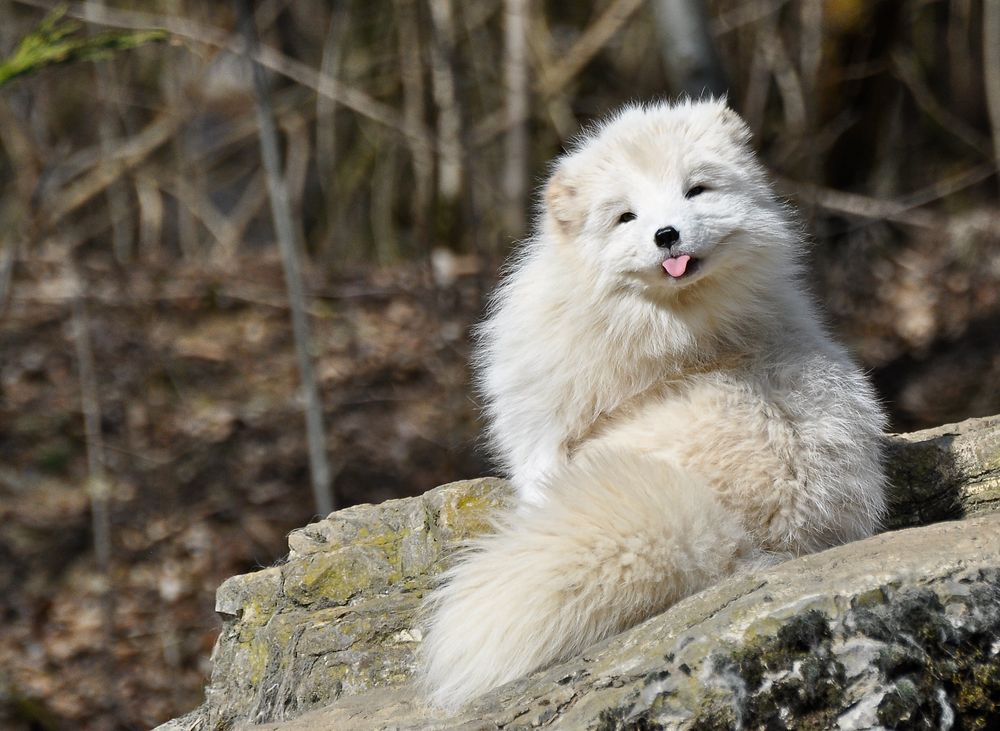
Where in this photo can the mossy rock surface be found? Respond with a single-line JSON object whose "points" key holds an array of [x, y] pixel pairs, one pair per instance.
{"points": [[337, 617], [896, 631]]}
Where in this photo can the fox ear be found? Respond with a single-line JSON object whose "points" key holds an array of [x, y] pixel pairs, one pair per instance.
{"points": [[562, 202], [734, 125]]}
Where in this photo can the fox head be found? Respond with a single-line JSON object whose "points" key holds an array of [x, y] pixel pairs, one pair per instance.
{"points": [[663, 197]]}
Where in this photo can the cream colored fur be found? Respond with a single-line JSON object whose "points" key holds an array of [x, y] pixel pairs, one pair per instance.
{"points": [[662, 433]]}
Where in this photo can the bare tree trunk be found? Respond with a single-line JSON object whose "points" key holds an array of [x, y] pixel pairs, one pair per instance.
{"points": [[8, 257], [287, 241], [445, 88], [98, 485], [421, 148], [174, 93], [117, 193], [515, 172], [326, 107], [688, 49]]}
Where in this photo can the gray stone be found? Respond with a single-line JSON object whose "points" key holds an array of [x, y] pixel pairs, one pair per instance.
{"points": [[899, 629], [337, 617], [865, 634]]}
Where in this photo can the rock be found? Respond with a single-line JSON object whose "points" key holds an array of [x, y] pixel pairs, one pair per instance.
{"points": [[893, 630], [948, 472], [337, 617]]}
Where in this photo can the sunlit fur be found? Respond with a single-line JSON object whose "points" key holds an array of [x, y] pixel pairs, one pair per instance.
{"points": [[661, 433]]}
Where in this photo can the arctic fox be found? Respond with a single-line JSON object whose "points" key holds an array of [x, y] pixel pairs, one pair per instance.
{"points": [[663, 395]]}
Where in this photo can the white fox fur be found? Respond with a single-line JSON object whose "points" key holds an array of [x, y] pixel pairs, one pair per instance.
{"points": [[662, 431]]}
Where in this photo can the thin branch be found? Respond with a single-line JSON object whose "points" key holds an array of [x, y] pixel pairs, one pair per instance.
{"points": [[745, 14], [243, 213], [126, 157], [861, 206], [905, 209], [286, 233]]}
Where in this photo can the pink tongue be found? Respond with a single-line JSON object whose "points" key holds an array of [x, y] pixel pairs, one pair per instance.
{"points": [[677, 266]]}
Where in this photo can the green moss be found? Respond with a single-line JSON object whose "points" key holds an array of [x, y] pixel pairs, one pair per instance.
{"points": [[333, 578], [802, 633], [870, 598], [900, 705], [470, 513], [257, 654], [931, 662]]}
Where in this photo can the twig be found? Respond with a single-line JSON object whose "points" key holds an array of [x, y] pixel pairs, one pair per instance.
{"points": [[242, 214], [862, 206], [286, 233], [201, 208], [744, 14], [130, 154], [948, 186], [905, 210]]}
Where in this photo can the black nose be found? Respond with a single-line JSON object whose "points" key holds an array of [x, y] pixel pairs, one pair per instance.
{"points": [[666, 236]]}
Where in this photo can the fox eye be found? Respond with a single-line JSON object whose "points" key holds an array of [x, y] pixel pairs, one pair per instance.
{"points": [[626, 217], [696, 190]]}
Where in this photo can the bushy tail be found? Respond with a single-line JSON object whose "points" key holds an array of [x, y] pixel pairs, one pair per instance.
{"points": [[621, 538]]}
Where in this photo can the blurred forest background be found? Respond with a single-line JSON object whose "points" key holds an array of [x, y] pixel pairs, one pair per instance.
{"points": [[152, 439]]}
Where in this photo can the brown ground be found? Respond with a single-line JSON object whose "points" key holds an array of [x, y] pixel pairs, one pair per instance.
{"points": [[205, 443]]}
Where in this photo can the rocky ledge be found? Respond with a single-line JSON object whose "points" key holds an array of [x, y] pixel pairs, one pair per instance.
{"points": [[898, 630]]}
